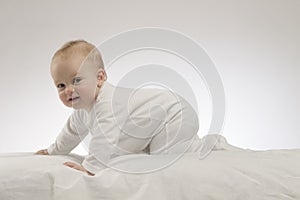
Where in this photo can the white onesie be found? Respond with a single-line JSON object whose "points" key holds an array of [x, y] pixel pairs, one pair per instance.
{"points": [[126, 121]]}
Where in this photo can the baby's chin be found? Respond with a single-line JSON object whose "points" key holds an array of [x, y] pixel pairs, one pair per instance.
{"points": [[69, 105], [78, 105], [75, 105]]}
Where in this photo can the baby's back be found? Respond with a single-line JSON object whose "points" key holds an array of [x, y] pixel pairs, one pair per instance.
{"points": [[143, 113]]}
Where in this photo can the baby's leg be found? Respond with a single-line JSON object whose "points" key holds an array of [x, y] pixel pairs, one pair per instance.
{"points": [[177, 137], [179, 131]]}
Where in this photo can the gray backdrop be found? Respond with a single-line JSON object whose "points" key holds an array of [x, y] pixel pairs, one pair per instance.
{"points": [[255, 45]]}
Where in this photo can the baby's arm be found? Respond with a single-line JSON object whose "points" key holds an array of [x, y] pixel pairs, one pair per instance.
{"points": [[102, 146], [71, 135]]}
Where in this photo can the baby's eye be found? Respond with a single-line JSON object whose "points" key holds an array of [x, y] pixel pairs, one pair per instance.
{"points": [[60, 86], [76, 80]]}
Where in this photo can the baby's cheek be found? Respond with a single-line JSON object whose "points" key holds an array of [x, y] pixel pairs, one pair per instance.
{"points": [[63, 98], [85, 90]]}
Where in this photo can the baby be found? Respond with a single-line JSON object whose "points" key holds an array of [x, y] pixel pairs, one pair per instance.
{"points": [[120, 120]]}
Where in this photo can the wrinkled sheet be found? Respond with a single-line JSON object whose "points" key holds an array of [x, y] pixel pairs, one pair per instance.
{"points": [[226, 173]]}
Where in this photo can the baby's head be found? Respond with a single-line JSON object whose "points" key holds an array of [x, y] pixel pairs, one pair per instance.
{"points": [[78, 73]]}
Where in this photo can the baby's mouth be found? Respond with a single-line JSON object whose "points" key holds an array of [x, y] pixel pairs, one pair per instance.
{"points": [[71, 99]]}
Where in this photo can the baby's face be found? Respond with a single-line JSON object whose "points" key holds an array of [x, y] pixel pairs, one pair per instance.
{"points": [[76, 83]]}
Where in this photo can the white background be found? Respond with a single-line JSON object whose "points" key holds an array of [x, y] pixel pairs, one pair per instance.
{"points": [[255, 45]]}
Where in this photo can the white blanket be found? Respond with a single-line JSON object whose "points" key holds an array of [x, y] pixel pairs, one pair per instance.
{"points": [[226, 173]]}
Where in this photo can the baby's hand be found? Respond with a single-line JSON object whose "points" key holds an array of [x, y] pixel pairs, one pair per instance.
{"points": [[42, 152], [78, 167]]}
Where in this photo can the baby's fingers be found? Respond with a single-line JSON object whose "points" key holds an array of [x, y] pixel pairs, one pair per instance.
{"points": [[42, 152], [73, 165]]}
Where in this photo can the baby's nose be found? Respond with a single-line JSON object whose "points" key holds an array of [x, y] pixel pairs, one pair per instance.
{"points": [[69, 89]]}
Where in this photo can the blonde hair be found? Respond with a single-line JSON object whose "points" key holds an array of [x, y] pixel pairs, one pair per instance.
{"points": [[80, 46]]}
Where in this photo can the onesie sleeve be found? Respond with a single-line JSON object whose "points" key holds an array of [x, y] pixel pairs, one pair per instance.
{"points": [[70, 136], [101, 152], [104, 139]]}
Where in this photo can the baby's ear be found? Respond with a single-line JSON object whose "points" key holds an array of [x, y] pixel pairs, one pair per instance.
{"points": [[101, 76]]}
